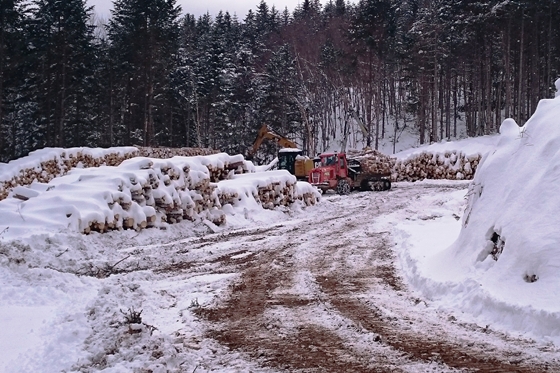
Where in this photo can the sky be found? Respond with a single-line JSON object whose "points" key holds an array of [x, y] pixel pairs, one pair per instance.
{"points": [[239, 7]]}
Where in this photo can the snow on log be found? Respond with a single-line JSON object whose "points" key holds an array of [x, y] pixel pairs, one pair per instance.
{"points": [[450, 165], [45, 164], [148, 192]]}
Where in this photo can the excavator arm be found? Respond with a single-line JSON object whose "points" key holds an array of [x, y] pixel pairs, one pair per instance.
{"points": [[265, 133]]}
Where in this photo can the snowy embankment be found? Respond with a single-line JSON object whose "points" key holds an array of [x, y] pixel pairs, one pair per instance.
{"points": [[503, 269], [145, 192]]}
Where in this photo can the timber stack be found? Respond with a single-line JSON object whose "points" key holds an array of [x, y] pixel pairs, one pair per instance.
{"points": [[44, 165], [450, 165], [148, 192], [164, 153], [373, 161]]}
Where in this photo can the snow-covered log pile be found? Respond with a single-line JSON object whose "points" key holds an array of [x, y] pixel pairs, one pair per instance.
{"points": [[145, 192], [452, 160], [44, 165], [451, 165], [164, 153], [270, 189]]}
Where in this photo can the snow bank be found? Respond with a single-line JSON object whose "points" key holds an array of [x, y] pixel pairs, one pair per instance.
{"points": [[504, 266]]}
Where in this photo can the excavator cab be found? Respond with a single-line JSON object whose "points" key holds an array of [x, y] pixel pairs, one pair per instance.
{"points": [[289, 157]]}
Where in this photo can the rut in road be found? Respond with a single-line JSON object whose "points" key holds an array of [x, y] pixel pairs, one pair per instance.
{"points": [[351, 278]]}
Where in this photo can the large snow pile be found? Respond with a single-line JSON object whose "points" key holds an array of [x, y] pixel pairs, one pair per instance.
{"points": [[144, 192], [504, 266]]}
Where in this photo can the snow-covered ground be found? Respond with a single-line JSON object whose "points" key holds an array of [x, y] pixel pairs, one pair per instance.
{"points": [[67, 299], [481, 259]]}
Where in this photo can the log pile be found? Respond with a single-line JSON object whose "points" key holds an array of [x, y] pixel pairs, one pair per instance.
{"points": [[274, 195], [450, 165], [374, 162], [58, 162], [225, 172], [163, 193], [147, 192], [164, 153]]}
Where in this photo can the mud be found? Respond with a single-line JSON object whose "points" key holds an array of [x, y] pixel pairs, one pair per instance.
{"points": [[320, 299]]}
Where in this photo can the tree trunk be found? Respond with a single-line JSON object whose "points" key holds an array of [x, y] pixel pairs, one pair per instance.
{"points": [[520, 76], [507, 63]]}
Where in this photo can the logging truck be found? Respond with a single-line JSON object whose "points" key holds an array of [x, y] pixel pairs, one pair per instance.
{"points": [[342, 174], [290, 158]]}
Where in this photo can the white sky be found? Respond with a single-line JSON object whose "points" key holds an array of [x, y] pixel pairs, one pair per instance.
{"points": [[239, 7]]}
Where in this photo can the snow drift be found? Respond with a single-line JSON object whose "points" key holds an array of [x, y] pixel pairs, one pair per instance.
{"points": [[504, 266]]}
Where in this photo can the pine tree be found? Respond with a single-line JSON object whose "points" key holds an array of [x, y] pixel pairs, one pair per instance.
{"points": [[12, 54], [282, 113], [62, 72], [143, 36]]}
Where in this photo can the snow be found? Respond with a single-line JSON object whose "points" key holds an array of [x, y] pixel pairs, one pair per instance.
{"points": [[35, 158], [469, 147], [500, 263], [289, 150], [63, 295]]}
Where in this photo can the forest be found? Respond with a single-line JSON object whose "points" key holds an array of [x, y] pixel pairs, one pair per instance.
{"points": [[155, 75]]}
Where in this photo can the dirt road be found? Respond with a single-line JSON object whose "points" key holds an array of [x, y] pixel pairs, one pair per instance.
{"points": [[326, 295]]}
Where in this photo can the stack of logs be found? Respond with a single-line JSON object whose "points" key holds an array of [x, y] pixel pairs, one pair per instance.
{"points": [[450, 165], [223, 173], [274, 195], [164, 153], [167, 195], [164, 192], [61, 163], [375, 162]]}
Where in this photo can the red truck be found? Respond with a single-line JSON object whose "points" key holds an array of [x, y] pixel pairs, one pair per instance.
{"points": [[337, 172]]}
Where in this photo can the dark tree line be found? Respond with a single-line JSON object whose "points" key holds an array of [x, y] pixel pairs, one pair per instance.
{"points": [[321, 73]]}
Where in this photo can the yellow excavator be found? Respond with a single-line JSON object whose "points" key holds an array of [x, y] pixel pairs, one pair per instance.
{"points": [[289, 156]]}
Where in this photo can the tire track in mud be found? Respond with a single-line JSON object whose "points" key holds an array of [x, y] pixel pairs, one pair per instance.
{"points": [[416, 346], [342, 290], [239, 321]]}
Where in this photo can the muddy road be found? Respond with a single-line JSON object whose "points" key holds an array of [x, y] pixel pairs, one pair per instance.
{"points": [[326, 294]]}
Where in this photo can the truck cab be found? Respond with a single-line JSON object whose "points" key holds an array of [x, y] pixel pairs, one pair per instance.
{"points": [[332, 173]]}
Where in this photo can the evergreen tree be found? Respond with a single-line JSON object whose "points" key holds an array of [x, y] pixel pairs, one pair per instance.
{"points": [[12, 63], [281, 91], [62, 70], [143, 36]]}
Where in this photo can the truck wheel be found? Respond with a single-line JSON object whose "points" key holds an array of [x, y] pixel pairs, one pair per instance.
{"points": [[386, 184], [342, 187], [364, 185]]}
